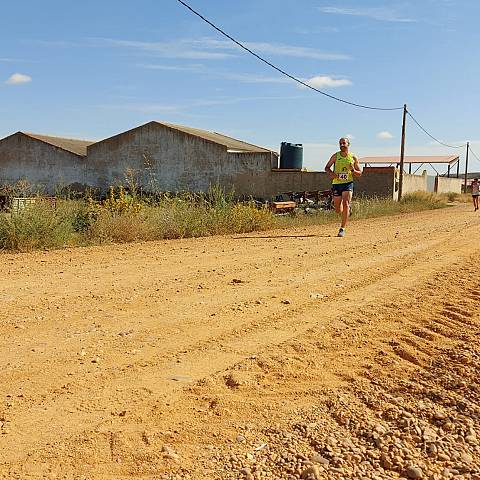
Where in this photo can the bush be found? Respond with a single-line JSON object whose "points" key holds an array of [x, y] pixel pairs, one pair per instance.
{"points": [[368, 207], [169, 217], [452, 196], [125, 218], [36, 227], [113, 228], [422, 201]]}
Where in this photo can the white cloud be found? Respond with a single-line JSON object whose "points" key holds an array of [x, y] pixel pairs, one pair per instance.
{"points": [[175, 68], [18, 79], [59, 43], [212, 49], [325, 81], [249, 78], [375, 13], [147, 108], [349, 136], [152, 108], [272, 49], [384, 135], [316, 30], [185, 49], [293, 51], [235, 100], [321, 81], [237, 77]]}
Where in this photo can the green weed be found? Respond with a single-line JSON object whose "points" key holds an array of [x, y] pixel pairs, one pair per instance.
{"points": [[123, 217]]}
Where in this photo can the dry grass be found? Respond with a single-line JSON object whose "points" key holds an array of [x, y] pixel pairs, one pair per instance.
{"points": [[465, 198], [38, 227], [373, 207], [121, 218]]}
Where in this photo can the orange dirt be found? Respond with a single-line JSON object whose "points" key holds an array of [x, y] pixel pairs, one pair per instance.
{"points": [[197, 358]]}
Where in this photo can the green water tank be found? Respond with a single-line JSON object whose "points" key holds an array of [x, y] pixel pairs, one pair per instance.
{"points": [[291, 155]]}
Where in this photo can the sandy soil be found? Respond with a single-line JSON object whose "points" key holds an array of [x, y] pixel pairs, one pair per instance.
{"points": [[223, 357]]}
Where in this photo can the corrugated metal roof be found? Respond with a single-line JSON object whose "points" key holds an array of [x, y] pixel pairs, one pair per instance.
{"points": [[230, 143], [79, 147], [410, 159]]}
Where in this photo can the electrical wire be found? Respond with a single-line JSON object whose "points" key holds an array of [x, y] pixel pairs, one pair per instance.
{"points": [[473, 153], [431, 136], [283, 72], [301, 82]]}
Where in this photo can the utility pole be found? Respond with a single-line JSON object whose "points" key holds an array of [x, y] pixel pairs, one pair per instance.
{"points": [[402, 153], [466, 169]]}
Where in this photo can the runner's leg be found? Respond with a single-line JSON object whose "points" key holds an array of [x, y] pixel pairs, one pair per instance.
{"points": [[337, 202], [346, 199]]}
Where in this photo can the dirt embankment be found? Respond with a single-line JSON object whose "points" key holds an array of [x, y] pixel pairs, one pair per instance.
{"points": [[287, 354]]}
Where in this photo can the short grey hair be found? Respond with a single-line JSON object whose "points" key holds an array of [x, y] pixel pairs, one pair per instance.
{"points": [[346, 139]]}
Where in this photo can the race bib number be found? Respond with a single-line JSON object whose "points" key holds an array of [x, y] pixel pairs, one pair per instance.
{"points": [[343, 176]]}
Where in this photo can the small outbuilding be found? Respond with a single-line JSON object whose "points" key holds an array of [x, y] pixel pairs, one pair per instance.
{"points": [[156, 156], [452, 162], [448, 181], [45, 162], [168, 157]]}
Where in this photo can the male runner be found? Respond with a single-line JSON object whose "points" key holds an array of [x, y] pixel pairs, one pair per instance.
{"points": [[345, 167]]}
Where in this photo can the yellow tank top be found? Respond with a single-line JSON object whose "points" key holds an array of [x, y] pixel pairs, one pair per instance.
{"points": [[342, 168]]}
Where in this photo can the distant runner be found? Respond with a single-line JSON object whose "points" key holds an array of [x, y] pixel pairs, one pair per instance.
{"points": [[475, 192], [345, 167]]}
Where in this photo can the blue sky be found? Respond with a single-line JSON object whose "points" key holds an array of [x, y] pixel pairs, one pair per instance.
{"points": [[91, 69]]}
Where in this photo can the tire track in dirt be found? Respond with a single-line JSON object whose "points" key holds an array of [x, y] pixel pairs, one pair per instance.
{"points": [[215, 349], [231, 393], [409, 385]]}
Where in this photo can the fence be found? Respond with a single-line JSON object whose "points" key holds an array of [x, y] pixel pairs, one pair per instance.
{"points": [[17, 204]]}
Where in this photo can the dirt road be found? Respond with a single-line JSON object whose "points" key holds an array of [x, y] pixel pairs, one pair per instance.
{"points": [[247, 356]]}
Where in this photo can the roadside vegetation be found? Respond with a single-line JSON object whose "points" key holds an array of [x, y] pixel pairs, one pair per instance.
{"points": [[125, 217]]}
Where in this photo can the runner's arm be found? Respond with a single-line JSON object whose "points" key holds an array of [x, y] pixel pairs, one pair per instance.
{"points": [[328, 167], [356, 169]]}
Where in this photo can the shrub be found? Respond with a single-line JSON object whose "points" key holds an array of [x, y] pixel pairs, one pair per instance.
{"points": [[119, 219], [38, 226], [247, 218], [121, 202], [422, 201], [125, 218], [114, 228], [452, 196]]}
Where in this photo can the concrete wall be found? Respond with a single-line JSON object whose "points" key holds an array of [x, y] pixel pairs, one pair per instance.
{"points": [[250, 172], [165, 159], [445, 185], [43, 166], [414, 183], [269, 184], [374, 182]]}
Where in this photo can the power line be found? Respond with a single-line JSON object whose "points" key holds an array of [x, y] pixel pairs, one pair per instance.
{"points": [[473, 153], [301, 82], [279, 69], [431, 136]]}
